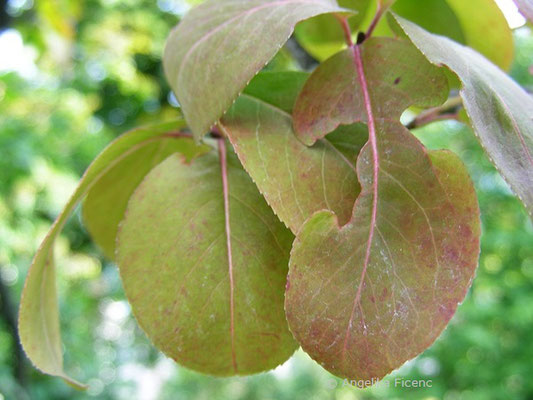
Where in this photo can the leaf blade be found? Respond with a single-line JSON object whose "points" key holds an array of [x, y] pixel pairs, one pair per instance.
{"points": [[322, 36], [332, 97], [354, 321], [211, 32], [106, 201], [38, 312], [215, 301], [296, 180], [501, 112], [402, 238]]}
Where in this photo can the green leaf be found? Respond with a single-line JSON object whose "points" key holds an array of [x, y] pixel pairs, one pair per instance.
{"points": [[399, 76], [38, 315], [366, 296], [361, 317], [500, 111], [104, 206], [526, 8], [322, 36], [296, 180], [207, 62], [204, 261], [479, 24]]}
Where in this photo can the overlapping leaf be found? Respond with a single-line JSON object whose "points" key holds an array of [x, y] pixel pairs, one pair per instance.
{"points": [[463, 21], [361, 319], [105, 203], [220, 45], [322, 36], [501, 112], [400, 77], [364, 297], [38, 316], [204, 261], [296, 180]]}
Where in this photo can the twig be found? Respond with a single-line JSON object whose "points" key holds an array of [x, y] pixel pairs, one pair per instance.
{"points": [[449, 110]]}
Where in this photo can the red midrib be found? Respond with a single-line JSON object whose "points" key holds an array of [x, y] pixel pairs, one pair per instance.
{"points": [[375, 156], [225, 190]]}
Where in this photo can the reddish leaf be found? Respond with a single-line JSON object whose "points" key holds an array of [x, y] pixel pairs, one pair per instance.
{"points": [[361, 317], [400, 77], [364, 298]]}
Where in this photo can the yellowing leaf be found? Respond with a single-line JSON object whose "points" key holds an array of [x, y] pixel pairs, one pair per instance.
{"points": [[38, 315], [479, 24], [104, 206]]}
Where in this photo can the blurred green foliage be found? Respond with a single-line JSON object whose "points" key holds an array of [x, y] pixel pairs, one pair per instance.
{"points": [[90, 70]]}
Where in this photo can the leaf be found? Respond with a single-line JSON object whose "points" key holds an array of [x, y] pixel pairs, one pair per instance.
{"points": [[501, 112], [361, 319], [296, 180], [364, 297], [38, 315], [104, 206], [207, 62], [400, 77], [322, 36], [495, 43], [466, 22], [204, 261], [526, 8]]}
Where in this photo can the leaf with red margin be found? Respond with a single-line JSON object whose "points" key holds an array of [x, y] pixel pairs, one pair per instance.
{"points": [[365, 297], [207, 62]]}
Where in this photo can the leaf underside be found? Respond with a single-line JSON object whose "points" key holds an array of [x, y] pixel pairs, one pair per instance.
{"points": [[500, 111], [207, 62], [207, 283]]}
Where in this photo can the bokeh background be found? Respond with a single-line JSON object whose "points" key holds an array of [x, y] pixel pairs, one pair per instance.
{"points": [[74, 75]]}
